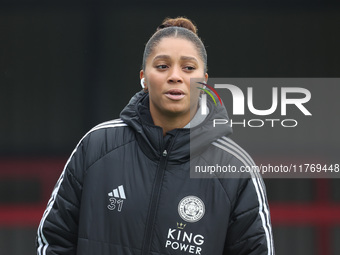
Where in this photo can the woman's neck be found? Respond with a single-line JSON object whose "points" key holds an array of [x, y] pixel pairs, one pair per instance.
{"points": [[168, 123]]}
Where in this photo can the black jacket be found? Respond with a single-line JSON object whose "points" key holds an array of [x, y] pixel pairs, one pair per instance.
{"points": [[126, 189]]}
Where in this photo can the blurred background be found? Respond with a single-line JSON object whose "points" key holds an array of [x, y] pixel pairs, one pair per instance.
{"points": [[66, 66]]}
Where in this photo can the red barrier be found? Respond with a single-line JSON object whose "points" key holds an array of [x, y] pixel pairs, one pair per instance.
{"points": [[46, 171], [321, 213]]}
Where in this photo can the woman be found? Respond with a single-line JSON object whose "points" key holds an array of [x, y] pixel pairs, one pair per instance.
{"points": [[126, 189]]}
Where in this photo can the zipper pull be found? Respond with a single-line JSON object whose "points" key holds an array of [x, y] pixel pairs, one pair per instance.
{"points": [[165, 153]]}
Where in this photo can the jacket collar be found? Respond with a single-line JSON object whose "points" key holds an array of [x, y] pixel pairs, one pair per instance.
{"points": [[183, 142]]}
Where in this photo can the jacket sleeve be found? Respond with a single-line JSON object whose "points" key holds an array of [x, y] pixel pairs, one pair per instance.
{"points": [[57, 232], [249, 231]]}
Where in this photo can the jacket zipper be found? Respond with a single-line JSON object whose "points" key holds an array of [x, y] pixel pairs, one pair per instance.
{"points": [[154, 201]]}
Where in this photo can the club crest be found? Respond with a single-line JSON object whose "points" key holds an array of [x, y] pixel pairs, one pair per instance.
{"points": [[191, 209]]}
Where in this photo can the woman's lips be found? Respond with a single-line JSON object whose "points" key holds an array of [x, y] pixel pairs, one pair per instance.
{"points": [[175, 94]]}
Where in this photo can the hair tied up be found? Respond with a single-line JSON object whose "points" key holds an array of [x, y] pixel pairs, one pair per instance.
{"points": [[177, 28], [178, 22]]}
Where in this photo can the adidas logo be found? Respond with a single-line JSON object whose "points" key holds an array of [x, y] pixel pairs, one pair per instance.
{"points": [[118, 193], [116, 198]]}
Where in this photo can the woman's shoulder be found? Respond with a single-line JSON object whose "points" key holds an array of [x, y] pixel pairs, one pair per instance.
{"points": [[224, 151], [108, 135], [234, 151], [232, 166], [111, 126]]}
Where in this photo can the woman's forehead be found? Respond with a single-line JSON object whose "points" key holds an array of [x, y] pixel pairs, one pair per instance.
{"points": [[170, 47], [176, 44]]}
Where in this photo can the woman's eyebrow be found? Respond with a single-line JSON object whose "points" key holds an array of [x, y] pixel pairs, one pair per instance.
{"points": [[162, 57], [187, 58], [183, 58]]}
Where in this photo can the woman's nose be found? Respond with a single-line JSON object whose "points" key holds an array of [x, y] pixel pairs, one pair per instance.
{"points": [[175, 75]]}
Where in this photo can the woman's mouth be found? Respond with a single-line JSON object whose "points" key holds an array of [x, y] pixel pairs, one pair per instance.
{"points": [[175, 94]]}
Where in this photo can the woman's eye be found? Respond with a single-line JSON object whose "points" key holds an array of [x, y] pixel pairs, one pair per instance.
{"points": [[161, 66], [189, 68]]}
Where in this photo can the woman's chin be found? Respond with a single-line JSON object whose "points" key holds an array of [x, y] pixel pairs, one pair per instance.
{"points": [[177, 112]]}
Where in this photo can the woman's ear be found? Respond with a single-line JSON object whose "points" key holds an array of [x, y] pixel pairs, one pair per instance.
{"points": [[142, 81], [206, 77]]}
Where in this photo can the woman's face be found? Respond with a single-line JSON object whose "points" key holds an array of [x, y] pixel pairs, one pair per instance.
{"points": [[168, 70]]}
